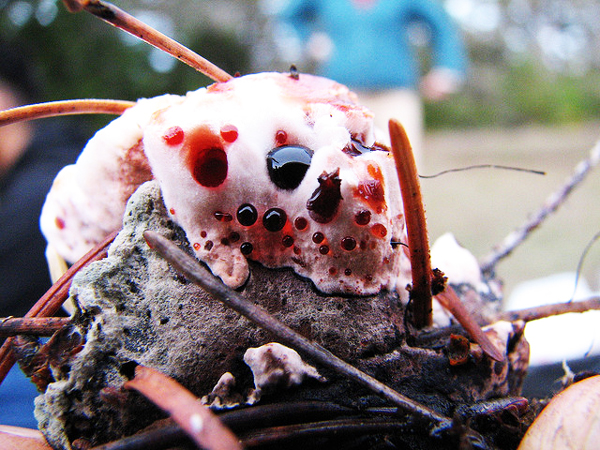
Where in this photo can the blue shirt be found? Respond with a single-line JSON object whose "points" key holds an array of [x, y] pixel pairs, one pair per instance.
{"points": [[372, 49]]}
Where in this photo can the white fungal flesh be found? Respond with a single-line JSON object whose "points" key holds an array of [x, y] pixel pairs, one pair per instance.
{"points": [[274, 365], [209, 152]]}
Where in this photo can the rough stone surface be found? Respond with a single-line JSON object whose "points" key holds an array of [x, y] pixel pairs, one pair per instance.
{"points": [[133, 307]]}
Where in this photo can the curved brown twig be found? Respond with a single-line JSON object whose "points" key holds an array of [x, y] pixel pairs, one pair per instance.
{"points": [[120, 19], [543, 311], [193, 417], [63, 108], [52, 300], [416, 225], [552, 203], [34, 326]]}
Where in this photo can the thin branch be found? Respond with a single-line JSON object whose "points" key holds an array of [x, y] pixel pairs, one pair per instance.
{"points": [[63, 108], [52, 300], [540, 312], [552, 203], [120, 19], [195, 272], [184, 408], [416, 225], [483, 166], [38, 326], [331, 428], [450, 301]]}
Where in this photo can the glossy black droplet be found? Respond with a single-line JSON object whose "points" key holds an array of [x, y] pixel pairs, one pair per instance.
{"points": [[274, 219], [247, 214], [287, 165], [246, 248]]}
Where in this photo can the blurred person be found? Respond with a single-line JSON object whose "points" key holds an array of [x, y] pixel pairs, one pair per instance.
{"points": [[31, 154], [365, 44]]}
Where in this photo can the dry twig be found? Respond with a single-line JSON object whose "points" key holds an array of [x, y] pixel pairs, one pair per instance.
{"points": [[184, 407], [416, 225], [52, 300], [35, 326], [552, 203], [63, 108], [540, 312], [120, 19]]}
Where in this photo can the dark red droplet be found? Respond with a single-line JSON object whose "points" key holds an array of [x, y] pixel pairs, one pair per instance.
{"points": [[173, 136], [224, 241], [300, 223], [325, 200], [348, 243], [246, 248], [247, 215], [287, 240], [208, 245], [222, 217], [281, 137], [318, 237], [196, 246], [60, 223], [297, 250], [234, 236], [363, 217], [229, 133], [355, 148], [172, 211], [274, 219], [332, 271], [203, 234], [324, 249], [379, 230], [348, 272], [210, 167]]}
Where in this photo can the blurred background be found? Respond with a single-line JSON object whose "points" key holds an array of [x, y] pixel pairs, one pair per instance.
{"points": [[531, 99]]}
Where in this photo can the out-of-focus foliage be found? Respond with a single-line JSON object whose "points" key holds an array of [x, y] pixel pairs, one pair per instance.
{"points": [[530, 61], [80, 56], [517, 94]]}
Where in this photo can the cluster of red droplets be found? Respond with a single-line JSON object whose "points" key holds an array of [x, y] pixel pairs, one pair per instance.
{"points": [[209, 167]]}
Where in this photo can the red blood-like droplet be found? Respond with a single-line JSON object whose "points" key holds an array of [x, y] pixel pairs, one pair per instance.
{"points": [[60, 223], [222, 217], [323, 204], [363, 217], [196, 246], [229, 133], [300, 223], [324, 249], [287, 240], [210, 167], [348, 243], [173, 136], [281, 137], [379, 230], [318, 237]]}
